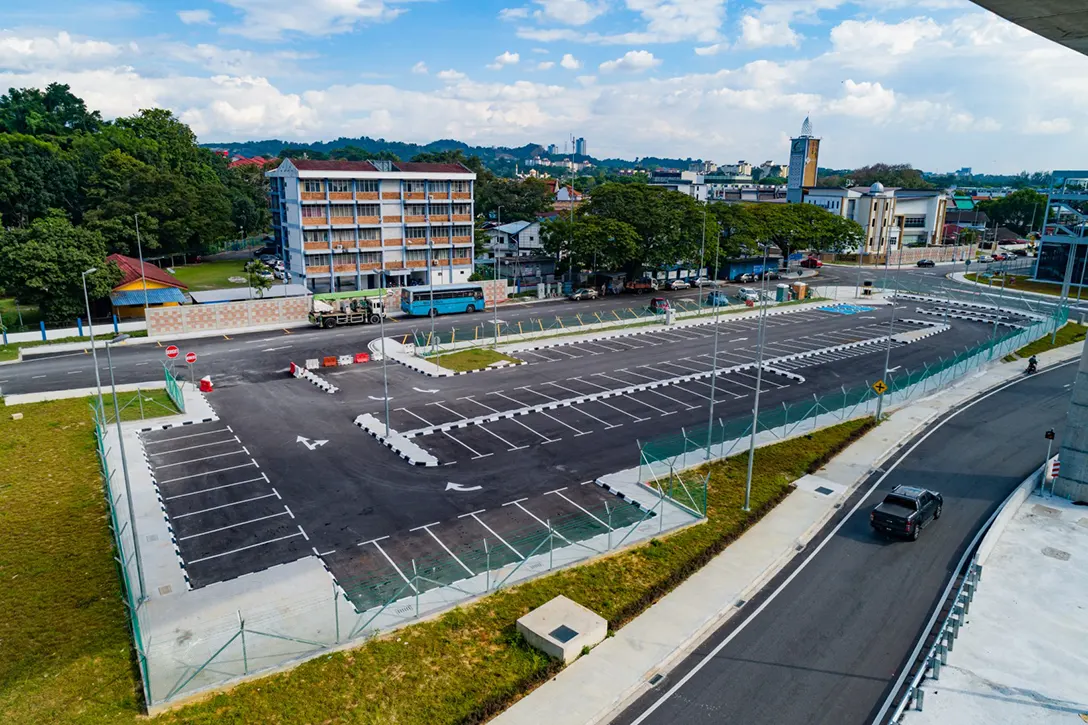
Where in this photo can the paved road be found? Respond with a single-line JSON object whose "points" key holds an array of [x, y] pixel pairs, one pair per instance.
{"points": [[826, 639]]}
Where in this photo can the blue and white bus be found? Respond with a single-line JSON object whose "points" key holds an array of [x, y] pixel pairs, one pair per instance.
{"points": [[442, 299]]}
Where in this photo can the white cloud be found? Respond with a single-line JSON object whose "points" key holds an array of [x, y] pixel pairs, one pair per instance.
{"points": [[545, 65], [271, 19], [504, 59], [195, 17], [757, 33], [712, 49], [570, 62], [633, 60], [541, 51], [569, 12], [420, 68], [61, 51], [867, 38], [666, 21], [866, 100], [450, 75], [1047, 127], [513, 13]]}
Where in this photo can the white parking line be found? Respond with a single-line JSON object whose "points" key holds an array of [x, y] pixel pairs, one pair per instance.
{"points": [[243, 548], [766, 379], [585, 511], [512, 446], [631, 397], [392, 563], [553, 531], [529, 389], [545, 438], [546, 415], [208, 473], [470, 572], [215, 488], [459, 416], [495, 533], [608, 405], [679, 402], [202, 445], [198, 460], [683, 367], [226, 505], [231, 526], [417, 416], [477, 453], [73, 372]]}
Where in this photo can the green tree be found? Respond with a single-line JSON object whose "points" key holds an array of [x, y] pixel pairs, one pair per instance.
{"points": [[1021, 211], [43, 264], [520, 200], [258, 276], [792, 227], [35, 176], [589, 242], [52, 112], [891, 175], [775, 180]]}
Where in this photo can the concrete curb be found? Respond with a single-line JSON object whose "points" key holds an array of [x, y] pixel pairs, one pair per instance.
{"points": [[24, 398], [395, 442], [961, 316], [314, 378]]}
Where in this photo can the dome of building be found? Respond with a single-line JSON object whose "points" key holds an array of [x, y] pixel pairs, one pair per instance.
{"points": [[877, 188]]}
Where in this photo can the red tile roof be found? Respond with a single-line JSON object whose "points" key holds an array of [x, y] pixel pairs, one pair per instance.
{"points": [[243, 161], [314, 165], [130, 272], [419, 167]]}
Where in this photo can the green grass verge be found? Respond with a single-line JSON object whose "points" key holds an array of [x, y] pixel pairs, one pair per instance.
{"points": [[211, 275], [65, 653], [1067, 334], [1020, 283], [471, 359], [65, 650], [11, 351]]}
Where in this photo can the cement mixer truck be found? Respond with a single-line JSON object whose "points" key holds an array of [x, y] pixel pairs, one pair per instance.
{"points": [[347, 308]]}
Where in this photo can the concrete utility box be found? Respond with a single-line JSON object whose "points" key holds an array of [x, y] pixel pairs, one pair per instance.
{"points": [[561, 628]]}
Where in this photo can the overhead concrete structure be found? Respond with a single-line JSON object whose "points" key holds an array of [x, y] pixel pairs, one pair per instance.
{"points": [[1063, 21]]}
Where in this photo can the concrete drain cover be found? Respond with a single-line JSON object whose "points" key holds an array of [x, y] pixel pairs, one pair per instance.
{"points": [[1040, 510], [824, 490], [165, 589], [1056, 554], [565, 634]]}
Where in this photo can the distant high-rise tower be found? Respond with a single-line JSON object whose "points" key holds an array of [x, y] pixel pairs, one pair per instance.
{"points": [[804, 159], [552, 149], [580, 147]]}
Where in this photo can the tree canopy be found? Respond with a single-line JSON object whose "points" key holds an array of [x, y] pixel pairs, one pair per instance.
{"points": [[1021, 211], [893, 175]]}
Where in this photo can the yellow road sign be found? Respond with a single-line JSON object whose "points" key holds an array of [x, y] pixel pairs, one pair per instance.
{"points": [[880, 387]]}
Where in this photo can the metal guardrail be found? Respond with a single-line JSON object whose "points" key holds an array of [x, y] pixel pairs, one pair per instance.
{"points": [[958, 604]]}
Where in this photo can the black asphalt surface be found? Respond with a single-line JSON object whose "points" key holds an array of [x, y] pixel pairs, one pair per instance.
{"points": [[826, 639]]}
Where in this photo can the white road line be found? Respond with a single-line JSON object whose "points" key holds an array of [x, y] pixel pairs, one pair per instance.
{"points": [[459, 415], [495, 534], [243, 548], [472, 513], [466, 446], [512, 420], [143, 363], [766, 379], [680, 386], [608, 405], [288, 508], [371, 541], [416, 416], [546, 415], [632, 398], [562, 387], [165, 440], [208, 473], [226, 505], [470, 572], [512, 446], [198, 460], [231, 526], [393, 564], [528, 388], [274, 349], [470, 399], [553, 531], [436, 523], [679, 402], [35, 377], [561, 351], [193, 448], [683, 367], [214, 488], [73, 372], [607, 425], [585, 511]]}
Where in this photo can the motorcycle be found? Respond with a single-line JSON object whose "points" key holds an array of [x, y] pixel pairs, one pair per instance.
{"points": [[1032, 368]]}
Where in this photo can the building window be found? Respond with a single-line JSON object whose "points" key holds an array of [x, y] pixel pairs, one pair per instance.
{"points": [[462, 231], [313, 211], [371, 258], [343, 210], [415, 209], [415, 187], [367, 186], [317, 260], [914, 222], [344, 258], [315, 235], [462, 209], [369, 210], [417, 255], [339, 185], [340, 236], [416, 232], [369, 234], [311, 186]]}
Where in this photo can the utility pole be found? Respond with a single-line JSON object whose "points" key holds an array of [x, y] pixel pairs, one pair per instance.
{"points": [[891, 323], [759, 383], [714, 369], [143, 272]]}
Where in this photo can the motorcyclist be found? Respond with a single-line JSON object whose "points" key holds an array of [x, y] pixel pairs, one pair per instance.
{"points": [[1033, 364]]}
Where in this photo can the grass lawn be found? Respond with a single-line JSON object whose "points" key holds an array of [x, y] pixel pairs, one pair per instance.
{"points": [[211, 275], [64, 644], [11, 352], [10, 313], [65, 653], [1021, 283], [1068, 334], [473, 359]]}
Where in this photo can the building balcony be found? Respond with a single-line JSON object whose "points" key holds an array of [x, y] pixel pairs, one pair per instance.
{"points": [[416, 219], [338, 268], [462, 195], [444, 196], [367, 195], [314, 221], [415, 242], [415, 263], [440, 262], [462, 261], [393, 242], [340, 196], [318, 270], [462, 217], [369, 243], [315, 246], [462, 240], [363, 220], [347, 221], [399, 264], [312, 196], [370, 266], [415, 195], [391, 195], [391, 219]]}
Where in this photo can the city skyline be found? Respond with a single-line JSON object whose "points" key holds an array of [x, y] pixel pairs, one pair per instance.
{"points": [[884, 82]]}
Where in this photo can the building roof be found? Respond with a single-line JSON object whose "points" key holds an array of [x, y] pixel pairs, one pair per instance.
{"points": [[427, 168], [130, 272], [243, 161], [399, 166], [339, 165], [513, 227], [156, 296]]}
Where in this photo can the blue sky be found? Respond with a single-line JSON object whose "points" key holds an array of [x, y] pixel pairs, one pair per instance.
{"points": [[936, 83]]}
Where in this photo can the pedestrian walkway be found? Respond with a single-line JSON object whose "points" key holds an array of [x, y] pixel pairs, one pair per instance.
{"points": [[620, 669]]}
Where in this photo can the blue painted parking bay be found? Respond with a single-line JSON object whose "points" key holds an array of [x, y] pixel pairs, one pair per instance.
{"points": [[845, 309]]}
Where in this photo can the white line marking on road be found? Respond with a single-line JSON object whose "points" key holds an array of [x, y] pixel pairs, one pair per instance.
{"points": [[208, 473], [585, 511], [277, 494], [470, 572], [193, 448], [545, 523], [289, 511], [243, 548], [198, 460], [35, 377], [213, 488], [516, 500], [454, 412], [143, 363], [667, 397], [226, 505], [73, 372], [472, 513], [512, 446], [547, 415], [393, 564], [477, 453], [633, 399], [231, 526], [246, 450], [274, 349], [495, 534], [436, 523], [718, 387], [417, 416], [303, 533]]}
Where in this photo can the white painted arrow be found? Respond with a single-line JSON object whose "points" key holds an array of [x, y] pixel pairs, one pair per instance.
{"points": [[892, 370], [381, 398], [312, 445], [422, 390], [739, 339], [451, 486]]}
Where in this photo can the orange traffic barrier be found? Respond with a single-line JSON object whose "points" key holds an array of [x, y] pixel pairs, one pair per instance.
{"points": [[329, 361]]}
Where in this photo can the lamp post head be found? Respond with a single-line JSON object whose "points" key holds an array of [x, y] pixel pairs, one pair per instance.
{"points": [[92, 270], [120, 338]]}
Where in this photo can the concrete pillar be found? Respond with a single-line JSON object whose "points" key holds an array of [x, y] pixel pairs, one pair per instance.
{"points": [[1072, 480]]}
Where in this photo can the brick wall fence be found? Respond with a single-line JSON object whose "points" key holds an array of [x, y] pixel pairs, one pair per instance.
{"points": [[255, 313], [910, 255]]}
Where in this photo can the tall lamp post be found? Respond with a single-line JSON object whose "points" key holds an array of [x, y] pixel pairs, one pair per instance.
{"points": [[891, 323], [495, 288], [759, 383], [702, 265], [714, 363], [143, 271], [385, 372], [124, 470], [94, 351]]}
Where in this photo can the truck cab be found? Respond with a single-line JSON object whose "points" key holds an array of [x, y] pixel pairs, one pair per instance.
{"points": [[906, 511], [330, 312]]}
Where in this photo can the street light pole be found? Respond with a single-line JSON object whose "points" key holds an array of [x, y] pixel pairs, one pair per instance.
{"points": [[124, 470], [759, 383], [702, 263], [891, 323], [94, 351], [385, 371], [714, 368], [143, 271]]}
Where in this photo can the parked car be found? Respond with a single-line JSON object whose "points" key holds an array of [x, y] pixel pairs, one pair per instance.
{"points": [[748, 293], [812, 263], [658, 305], [771, 274], [926, 263], [269, 249], [906, 511], [744, 277], [703, 282], [583, 293], [267, 259], [280, 273], [679, 284], [1020, 252], [717, 298], [641, 286], [264, 273]]}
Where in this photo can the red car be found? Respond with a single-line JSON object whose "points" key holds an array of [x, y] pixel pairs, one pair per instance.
{"points": [[812, 263]]}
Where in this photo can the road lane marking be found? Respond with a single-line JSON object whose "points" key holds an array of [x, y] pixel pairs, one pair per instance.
{"points": [[191, 435], [447, 549], [214, 488], [466, 446], [198, 460], [416, 416], [231, 526], [251, 546], [208, 473], [586, 511], [512, 446], [392, 563], [223, 506], [193, 448]]}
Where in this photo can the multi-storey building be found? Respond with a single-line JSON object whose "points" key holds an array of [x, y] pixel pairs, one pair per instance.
{"points": [[891, 218], [347, 225]]}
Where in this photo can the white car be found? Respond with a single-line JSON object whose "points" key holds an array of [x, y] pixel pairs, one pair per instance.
{"points": [[704, 282], [679, 284], [748, 293]]}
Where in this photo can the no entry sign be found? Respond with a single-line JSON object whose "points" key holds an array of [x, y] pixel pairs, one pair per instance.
{"points": [[190, 357], [172, 352]]}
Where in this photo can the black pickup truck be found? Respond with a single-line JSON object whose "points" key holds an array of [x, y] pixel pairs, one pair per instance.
{"points": [[905, 511]]}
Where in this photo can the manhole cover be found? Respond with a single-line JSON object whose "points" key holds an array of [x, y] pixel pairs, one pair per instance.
{"points": [[563, 634], [824, 490], [165, 589], [1056, 554]]}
